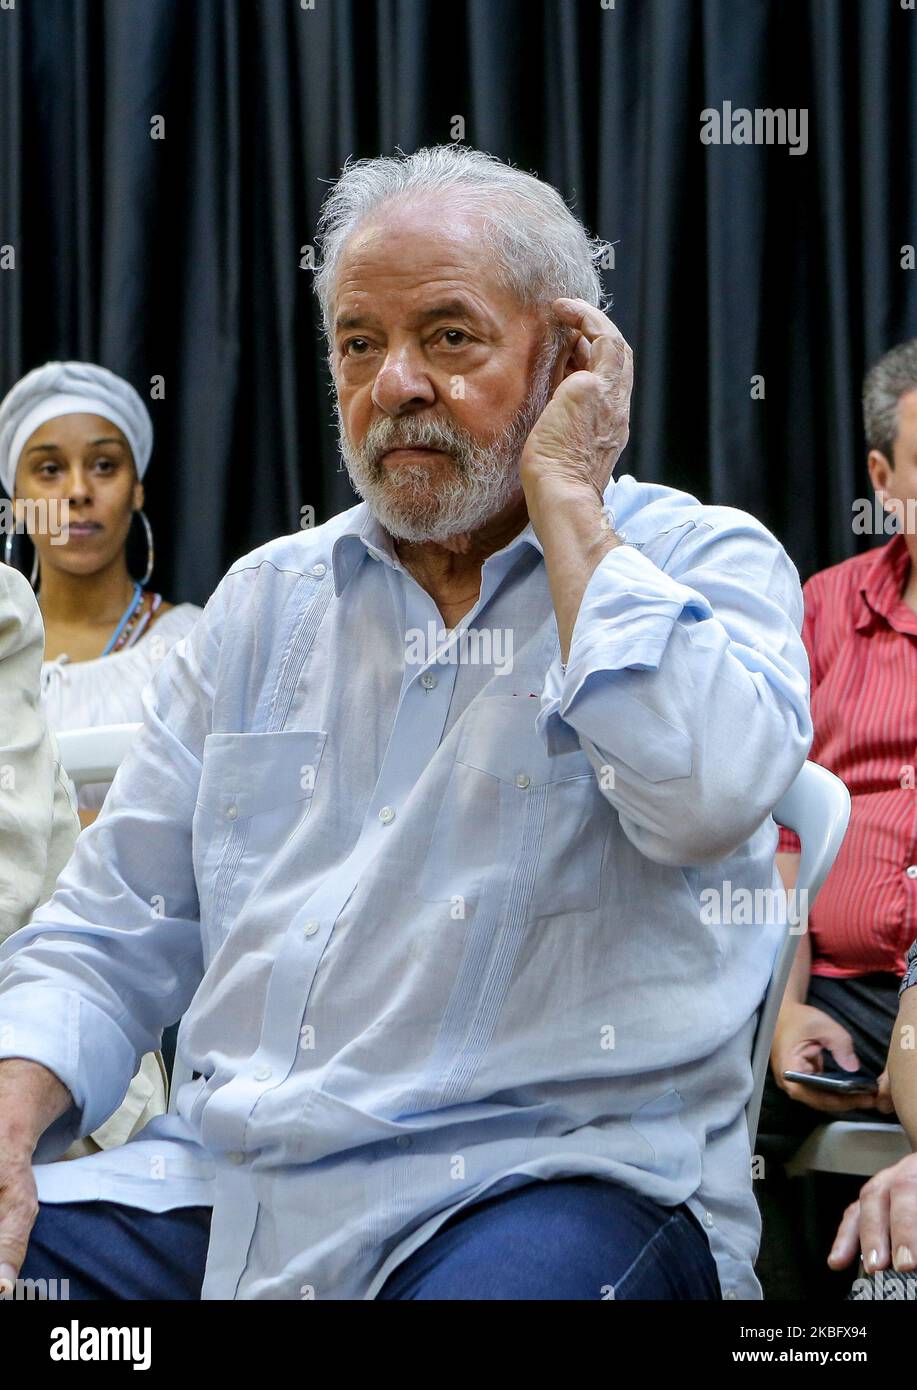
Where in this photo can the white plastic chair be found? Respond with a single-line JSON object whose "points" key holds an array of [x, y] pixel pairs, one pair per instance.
{"points": [[94, 755], [849, 1146], [817, 807]]}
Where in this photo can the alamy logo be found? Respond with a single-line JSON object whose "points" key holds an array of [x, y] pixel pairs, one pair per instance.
{"points": [[75, 1343], [746, 907], [473, 646], [762, 126], [892, 517], [36, 516], [885, 1286], [35, 1289]]}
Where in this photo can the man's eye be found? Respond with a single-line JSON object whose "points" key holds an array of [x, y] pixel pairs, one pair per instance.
{"points": [[355, 343], [451, 334]]}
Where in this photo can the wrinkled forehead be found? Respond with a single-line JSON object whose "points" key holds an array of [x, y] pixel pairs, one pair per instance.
{"points": [[405, 257]]}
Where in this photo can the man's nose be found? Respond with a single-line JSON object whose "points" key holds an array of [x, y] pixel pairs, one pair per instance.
{"points": [[402, 384]]}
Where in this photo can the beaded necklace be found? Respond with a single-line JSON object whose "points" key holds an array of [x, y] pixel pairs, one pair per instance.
{"points": [[135, 619]]}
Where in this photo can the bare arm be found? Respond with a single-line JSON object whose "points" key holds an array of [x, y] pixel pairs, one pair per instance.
{"points": [[802, 1032], [797, 986], [902, 1064], [882, 1225]]}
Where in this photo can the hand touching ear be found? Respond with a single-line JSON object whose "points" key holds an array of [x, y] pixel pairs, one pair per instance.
{"points": [[582, 431]]}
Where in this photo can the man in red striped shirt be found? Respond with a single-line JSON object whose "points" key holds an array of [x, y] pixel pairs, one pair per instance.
{"points": [[860, 632]]}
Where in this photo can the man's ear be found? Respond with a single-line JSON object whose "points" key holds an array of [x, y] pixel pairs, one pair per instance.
{"points": [[564, 362], [879, 470]]}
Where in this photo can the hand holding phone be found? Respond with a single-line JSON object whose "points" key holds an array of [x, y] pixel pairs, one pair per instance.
{"points": [[840, 1082], [809, 1043]]}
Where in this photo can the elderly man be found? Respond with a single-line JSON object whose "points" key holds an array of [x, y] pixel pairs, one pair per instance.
{"points": [[438, 925]]}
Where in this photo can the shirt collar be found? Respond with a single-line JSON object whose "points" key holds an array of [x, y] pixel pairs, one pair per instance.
{"points": [[366, 535], [883, 582]]}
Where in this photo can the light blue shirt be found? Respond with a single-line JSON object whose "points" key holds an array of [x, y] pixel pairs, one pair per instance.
{"points": [[436, 928]]}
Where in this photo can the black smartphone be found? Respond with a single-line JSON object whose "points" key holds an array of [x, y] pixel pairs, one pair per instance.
{"points": [[835, 1081]]}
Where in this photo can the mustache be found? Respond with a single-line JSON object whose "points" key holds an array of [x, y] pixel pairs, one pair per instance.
{"points": [[411, 433]]}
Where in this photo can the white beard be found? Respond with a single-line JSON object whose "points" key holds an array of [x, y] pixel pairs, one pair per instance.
{"points": [[433, 502]]}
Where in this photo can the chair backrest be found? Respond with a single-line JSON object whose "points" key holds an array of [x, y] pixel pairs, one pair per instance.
{"points": [[94, 755], [817, 807]]}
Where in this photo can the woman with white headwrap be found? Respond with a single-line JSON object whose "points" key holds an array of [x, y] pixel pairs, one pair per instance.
{"points": [[75, 433]]}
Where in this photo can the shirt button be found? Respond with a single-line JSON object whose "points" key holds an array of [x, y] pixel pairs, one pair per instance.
{"points": [[403, 1141], [263, 1074], [708, 1218], [232, 812], [522, 779], [235, 1158], [310, 927], [730, 1294], [428, 680], [319, 570], [386, 815], [911, 871]]}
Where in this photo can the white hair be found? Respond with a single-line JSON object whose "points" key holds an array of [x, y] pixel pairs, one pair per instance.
{"points": [[541, 251]]}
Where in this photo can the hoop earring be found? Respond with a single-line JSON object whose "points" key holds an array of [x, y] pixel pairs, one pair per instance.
{"points": [[8, 557], [149, 547]]}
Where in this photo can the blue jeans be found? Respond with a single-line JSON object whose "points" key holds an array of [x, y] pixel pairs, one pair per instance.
{"points": [[568, 1238]]}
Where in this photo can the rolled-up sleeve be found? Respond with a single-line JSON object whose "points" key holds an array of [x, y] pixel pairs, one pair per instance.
{"points": [[687, 687], [115, 955]]}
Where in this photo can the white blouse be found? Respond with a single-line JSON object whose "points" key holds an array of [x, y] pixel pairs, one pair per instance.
{"points": [[106, 690]]}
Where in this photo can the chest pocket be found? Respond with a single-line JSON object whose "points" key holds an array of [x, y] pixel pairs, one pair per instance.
{"points": [[255, 792], [524, 829]]}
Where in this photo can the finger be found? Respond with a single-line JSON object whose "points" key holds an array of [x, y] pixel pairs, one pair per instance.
{"points": [[807, 1053], [884, 1102], [840, 1044], [611, 355], [581, 354], [809, 1058], [851, 1100], [847, 1241], [903, 1221], [586, 318], [874, 1218], [831, 1102]]}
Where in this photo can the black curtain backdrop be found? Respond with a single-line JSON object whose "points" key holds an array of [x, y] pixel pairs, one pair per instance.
{"points": [[180, 257]]}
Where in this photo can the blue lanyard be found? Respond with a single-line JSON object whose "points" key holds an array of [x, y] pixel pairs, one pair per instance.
{"points": [[127, 613]]}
